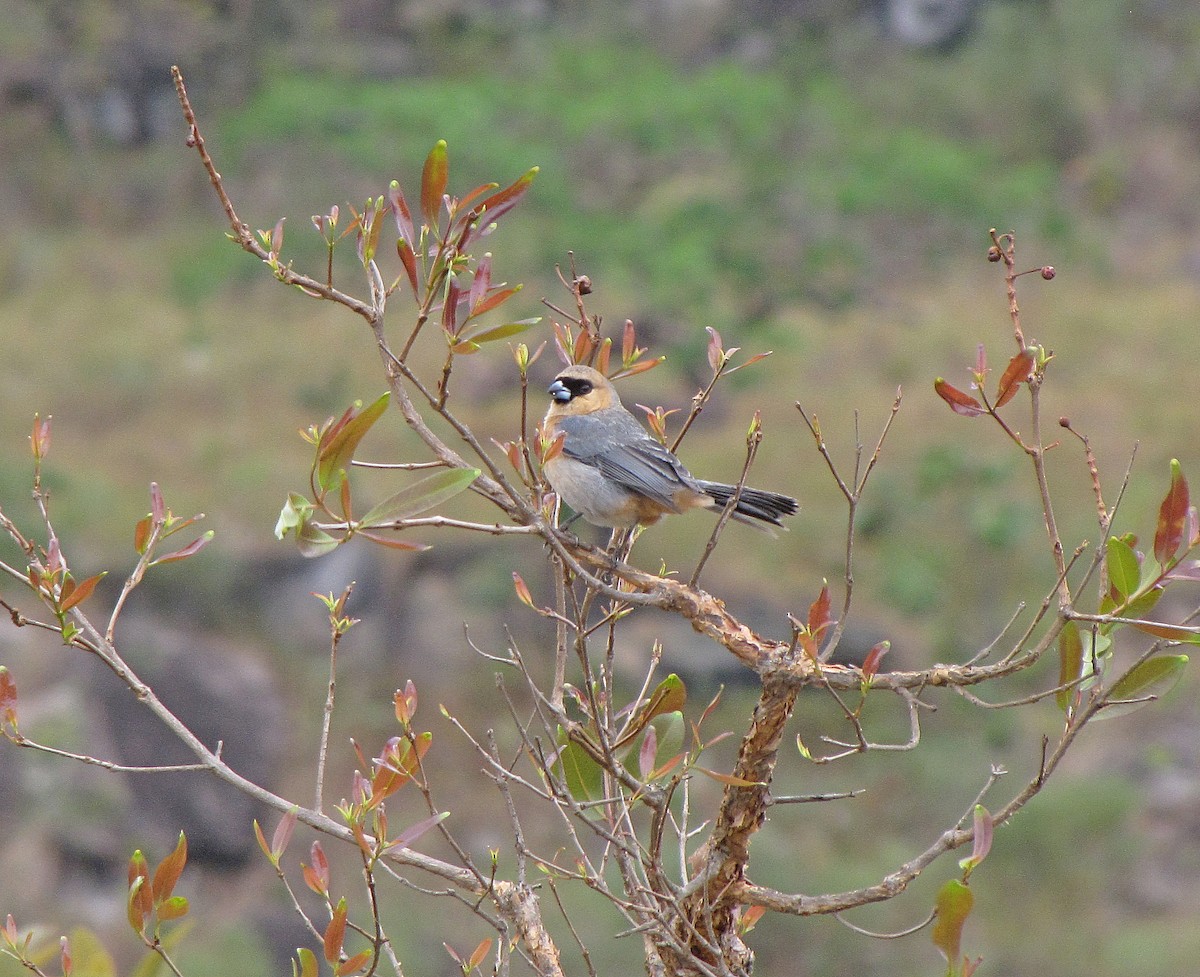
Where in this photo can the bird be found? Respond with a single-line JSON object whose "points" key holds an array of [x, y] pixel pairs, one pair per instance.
{"points": [[613, 473]]}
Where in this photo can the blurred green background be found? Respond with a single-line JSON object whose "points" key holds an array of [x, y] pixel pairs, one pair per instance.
{"points": [[814, 177]]}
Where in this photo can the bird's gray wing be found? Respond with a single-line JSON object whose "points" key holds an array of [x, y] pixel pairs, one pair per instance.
{"points": [[622, 451]]}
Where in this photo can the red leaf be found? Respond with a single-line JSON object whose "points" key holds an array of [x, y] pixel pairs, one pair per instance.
{"points": [[959, 402], [434, 177], [522, 588], [405, 701], [316, 876], [169, 870], [404, 223], [480, 954], [141, 534], [450, 308], [1016, 373], [81, 592], [716, 352], [283, 833], [501, 202], [335, 932], [40, 439], [870, 664], [409, 260], [354, 963], [8, 699], [192, 548], [493, 300], [818, 613], [1172, 517], [480, 283]]}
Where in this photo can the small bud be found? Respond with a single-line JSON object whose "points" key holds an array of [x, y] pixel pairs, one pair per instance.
{"points": [[993, 253], [1065, 422], [1048, 272], [583, 285]]}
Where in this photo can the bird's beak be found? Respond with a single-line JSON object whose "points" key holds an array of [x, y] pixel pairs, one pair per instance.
{"points": [[558, 391]]}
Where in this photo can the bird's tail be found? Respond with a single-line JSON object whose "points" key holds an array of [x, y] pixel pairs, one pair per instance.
{"points": [[752, 504]]}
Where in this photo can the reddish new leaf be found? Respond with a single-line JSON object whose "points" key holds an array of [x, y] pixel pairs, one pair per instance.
{"points": [[335, 932], [316, 876], [982, 838], [404, 222], [409, 260], [283, 833], [169, 870], [959, 402], [481, 282], [501, 202], [497, 298], [434, 177], [522, 589], [1016, 373], [480, 954], [1172, 517], [8, 699], [350, 965], [141, 534], [80, 592], [818, 614], [405, 701], [40, 439], [716, 352], [414, 831], [870, 664], [192, 548]]}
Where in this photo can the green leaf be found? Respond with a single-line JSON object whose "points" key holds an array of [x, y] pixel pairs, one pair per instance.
{"points": [[1124, 574], [1172, 517], [583, 776], [954, 903], [1070, 663], [308, 963], [434, 178], [1150, 680], [337, 447], [295, 512], [421, 496], [670, 695], [502, 331], [314, 541], [176, 907]]}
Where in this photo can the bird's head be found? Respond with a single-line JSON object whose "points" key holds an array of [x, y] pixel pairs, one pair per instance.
{"points": [[581, 390]]}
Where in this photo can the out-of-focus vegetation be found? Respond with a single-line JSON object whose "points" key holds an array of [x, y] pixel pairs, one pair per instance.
{"points": [[803, 187]]}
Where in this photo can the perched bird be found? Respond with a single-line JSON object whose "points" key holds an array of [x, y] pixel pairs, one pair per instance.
{"points": [[613, 473]]}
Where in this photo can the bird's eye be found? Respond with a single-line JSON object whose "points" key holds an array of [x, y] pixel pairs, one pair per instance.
{"points": [[585, 388]]}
